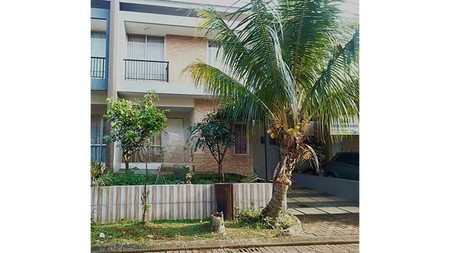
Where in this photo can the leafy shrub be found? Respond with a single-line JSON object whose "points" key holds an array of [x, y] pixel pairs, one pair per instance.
{"points": [[97, 170], [180, 172], [130, 177], [248, 216], [205, 177], [285, 220], [211, 178], [252, 217], [205, 181]]}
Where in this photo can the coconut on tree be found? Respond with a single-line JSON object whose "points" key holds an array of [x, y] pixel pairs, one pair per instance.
{"points": [[289, 62]]}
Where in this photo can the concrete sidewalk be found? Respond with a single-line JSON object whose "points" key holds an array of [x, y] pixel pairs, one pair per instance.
{"points": [[326, 220]]}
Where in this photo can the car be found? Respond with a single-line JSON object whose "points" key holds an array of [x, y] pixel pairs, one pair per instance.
{"points": [[307, 167], [344, 165]]}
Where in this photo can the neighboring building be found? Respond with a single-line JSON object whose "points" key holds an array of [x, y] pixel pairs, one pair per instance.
{"points": [[137, 46]]}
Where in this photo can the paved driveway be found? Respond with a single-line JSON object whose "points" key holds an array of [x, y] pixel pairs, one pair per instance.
{"points": [[305, 201]]}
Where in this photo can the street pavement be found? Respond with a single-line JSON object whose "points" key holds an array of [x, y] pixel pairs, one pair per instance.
{"points": [[337, 248]]}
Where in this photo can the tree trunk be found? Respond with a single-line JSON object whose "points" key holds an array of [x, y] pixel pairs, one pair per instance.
{"points": [[276, 203], [281, 183], [126, 159], [217, 223], [222, 176]]}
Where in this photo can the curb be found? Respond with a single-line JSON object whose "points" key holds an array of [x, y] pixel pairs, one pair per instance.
{"points": [[235, 243]]}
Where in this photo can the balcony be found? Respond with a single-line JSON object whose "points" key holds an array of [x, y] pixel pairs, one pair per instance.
{"points": [[146, 70], [99, 80], [98, 70]]}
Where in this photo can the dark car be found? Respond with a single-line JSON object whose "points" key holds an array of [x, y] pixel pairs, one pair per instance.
{"points": [[344, 165]]}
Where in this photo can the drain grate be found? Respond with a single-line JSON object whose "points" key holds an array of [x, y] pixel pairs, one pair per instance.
{"points": [[248, 250]]}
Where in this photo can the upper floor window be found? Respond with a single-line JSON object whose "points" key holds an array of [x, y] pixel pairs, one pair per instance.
{"points": [[98, 55], [142, 47], [215, 58], [98, 44], [146, 59], [240, 135]]}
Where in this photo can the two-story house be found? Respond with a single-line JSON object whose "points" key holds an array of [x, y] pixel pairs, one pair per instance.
{"points": [[138, 46]]}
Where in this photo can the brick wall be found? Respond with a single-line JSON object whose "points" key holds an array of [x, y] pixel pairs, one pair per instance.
{"points": [[204, 161], [182, 51]]}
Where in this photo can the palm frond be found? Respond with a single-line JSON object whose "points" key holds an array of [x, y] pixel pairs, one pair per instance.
{"points": [[335, 94], [246, 104]]}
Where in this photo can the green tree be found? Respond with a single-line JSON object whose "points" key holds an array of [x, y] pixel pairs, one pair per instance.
{"points": [[214, 134], [289, 62], [133, 123]]}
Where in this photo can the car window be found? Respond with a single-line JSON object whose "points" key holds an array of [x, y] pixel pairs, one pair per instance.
{"points": [[348, 158]]}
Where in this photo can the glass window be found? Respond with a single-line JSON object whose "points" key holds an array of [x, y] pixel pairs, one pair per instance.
{"points": [[143, 47], [98, 129], [348, 158], [98, 44], [215, 55], [151, 153], [240, 135], [98, 55]]}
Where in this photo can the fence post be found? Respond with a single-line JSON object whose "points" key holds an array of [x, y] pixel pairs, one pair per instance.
{"points": [[225, 200]]}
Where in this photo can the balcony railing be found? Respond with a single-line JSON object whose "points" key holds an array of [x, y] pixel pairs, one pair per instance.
{"points": [[98, 67], [146, 70]]}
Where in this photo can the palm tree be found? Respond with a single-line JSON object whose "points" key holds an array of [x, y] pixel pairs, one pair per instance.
{"points": [[289, 62]]}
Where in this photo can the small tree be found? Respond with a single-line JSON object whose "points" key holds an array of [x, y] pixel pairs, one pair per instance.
{"points": [[133, 123], [215, 135]]}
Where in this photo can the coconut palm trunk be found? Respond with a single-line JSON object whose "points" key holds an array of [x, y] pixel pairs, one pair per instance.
{"points": [[292, 148], [279, 192]]}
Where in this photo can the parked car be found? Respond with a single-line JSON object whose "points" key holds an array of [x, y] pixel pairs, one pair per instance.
{"points": [[307, 167], [344, 165]]}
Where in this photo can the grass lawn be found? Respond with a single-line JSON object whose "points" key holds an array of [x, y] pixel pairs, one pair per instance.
{"points": [[134, 232]]}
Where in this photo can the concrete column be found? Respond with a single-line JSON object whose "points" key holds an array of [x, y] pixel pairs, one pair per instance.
{"points": [[112, 152]]}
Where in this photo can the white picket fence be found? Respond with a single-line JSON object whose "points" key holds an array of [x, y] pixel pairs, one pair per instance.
{"points": [[170, 202]]}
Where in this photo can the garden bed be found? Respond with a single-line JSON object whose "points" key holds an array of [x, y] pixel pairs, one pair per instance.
{"points": [[132, 177]]}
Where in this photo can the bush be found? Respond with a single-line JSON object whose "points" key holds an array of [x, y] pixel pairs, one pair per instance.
{"points": [[252, 217], [180, 172], [97, 170], [130, 177], [248, 216], [212, 178]]}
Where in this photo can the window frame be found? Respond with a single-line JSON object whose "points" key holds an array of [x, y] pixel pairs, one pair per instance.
{"points": [[247, 141], [102, 132], [146, 54]]}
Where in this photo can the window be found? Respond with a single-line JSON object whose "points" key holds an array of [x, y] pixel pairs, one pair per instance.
{"points": [[98, 148], [151, 153], [349, 158], [98, 44], [141, 47], [145, 59], [240, 135], [215, 55], [98, 54]]}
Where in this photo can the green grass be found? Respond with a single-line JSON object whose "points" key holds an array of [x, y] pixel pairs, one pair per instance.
{"points": [[248, 224], [134, 232]]}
